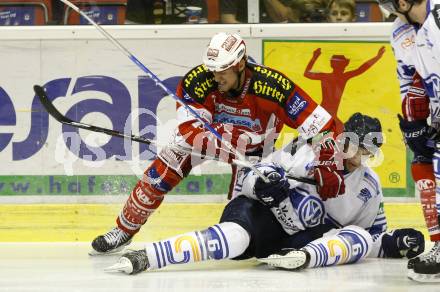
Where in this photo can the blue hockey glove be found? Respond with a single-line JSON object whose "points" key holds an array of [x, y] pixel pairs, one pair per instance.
{"points": [[403, 242], [416, 137], [271, 194]]}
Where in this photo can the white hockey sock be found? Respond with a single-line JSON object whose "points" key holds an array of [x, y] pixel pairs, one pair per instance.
{"points": [[343, 246], [221, 241]]}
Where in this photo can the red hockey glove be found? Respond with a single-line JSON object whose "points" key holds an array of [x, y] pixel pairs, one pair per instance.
{"points": [[415, 105], [329, 180]]}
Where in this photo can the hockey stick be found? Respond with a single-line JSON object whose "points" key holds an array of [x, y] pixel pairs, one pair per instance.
{"points": [[52, 110], [151, 75], [55, 113]]}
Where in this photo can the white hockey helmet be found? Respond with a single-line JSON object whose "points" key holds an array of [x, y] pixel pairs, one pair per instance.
{"points": [[224, 51]]}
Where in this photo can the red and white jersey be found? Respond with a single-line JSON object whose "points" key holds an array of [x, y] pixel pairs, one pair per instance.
{"points": [[268, 101], [418, 49]]}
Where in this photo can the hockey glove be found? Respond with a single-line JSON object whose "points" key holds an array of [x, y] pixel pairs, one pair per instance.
{"points": [[274, 192], [329, 180], [406, 242], [415, 105], [416, 137]]}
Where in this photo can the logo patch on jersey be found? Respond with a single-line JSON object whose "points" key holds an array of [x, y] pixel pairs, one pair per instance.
{"points": [[220, 107], [311, 211], [314, 122], [295, 106], [271, 84], [408, 42], [198, 83], [254, 125], [364, 195]]}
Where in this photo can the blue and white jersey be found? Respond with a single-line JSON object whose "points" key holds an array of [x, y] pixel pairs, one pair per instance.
{"points": [[403, 43], [419, 50], [360, 205], [428, 49]]}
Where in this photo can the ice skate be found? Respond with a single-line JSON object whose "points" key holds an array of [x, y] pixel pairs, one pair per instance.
{"points": [[426, 268], [288, 259], [132, 262], [113, 241]]}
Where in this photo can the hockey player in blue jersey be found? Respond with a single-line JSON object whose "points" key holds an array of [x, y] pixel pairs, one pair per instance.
{"points": [[415, 39], [265, 218]]}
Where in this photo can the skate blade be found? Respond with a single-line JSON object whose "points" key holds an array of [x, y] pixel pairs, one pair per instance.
{"points": [[123, 265], [293, 261], [423, 278]]}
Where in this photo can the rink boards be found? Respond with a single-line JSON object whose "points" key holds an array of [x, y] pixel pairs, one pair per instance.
{"points": [[96, 84]]}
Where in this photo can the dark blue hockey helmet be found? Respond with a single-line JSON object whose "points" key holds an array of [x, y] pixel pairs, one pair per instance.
{"points": [[367, 129]]}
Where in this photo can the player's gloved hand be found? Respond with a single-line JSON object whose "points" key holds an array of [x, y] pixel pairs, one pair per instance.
{"points": [[415, 105], [329, 180], [416, 136], [274, 192], [406, 242]]}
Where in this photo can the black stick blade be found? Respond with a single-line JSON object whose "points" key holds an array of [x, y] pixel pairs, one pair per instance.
{"points": [[50, 108]]}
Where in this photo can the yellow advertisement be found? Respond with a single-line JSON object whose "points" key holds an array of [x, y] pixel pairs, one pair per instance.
{"points": [[349, 77]]}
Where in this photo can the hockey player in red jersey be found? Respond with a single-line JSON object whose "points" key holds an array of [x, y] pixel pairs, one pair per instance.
{"points": [[247, 104]]}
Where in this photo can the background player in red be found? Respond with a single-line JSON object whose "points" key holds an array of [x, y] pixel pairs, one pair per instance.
{"points": [[247, 104]]}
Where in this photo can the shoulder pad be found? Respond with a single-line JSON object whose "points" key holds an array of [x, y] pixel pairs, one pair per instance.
{"points": [[198, 83], [270, 84], [436, 14]]}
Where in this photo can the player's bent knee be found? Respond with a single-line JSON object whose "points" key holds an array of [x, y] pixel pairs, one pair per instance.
{"points": [[240, 211]]}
